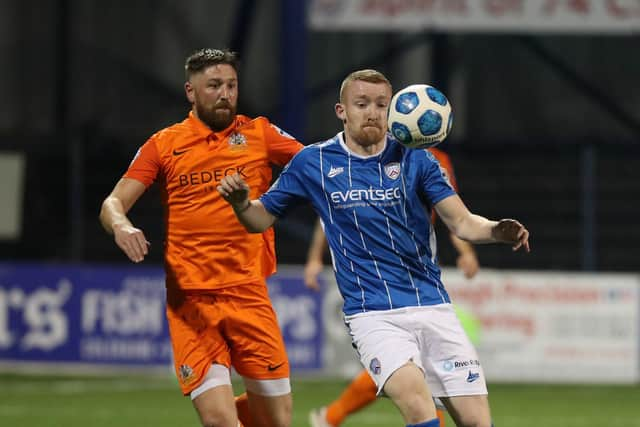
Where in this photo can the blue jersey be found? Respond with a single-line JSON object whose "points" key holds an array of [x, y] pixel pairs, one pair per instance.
{"points": [[376, 213]]}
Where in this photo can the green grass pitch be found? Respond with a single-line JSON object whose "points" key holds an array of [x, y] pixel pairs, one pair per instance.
{"points": [[46, 401]]}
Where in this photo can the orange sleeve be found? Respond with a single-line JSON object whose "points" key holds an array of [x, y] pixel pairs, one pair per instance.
{"points": [[280, 145], [145, 164], [445, 161]]}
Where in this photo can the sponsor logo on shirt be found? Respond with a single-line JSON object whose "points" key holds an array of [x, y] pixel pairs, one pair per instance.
{"points": [[179, 152], [207, 176], [369, 195], [335, 171]]}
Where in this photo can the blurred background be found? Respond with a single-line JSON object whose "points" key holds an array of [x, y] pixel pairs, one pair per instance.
{"points": [[546, 97]]}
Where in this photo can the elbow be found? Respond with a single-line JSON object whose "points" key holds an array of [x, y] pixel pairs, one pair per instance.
{"points": [[102, 216], [255, 229]]}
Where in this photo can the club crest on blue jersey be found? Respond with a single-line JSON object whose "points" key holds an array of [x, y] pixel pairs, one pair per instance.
{"points": [[392, 170]]}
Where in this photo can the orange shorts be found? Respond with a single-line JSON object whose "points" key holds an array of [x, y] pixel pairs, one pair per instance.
{"points": [[233, 326]]}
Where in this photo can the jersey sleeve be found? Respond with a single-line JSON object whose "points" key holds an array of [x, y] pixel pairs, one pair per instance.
{"points": [[288, 190], [145, 164], [435, 184], [280, 145]]}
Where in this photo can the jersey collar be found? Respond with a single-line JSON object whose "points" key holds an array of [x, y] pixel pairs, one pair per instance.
{"points": [[360, 156]]}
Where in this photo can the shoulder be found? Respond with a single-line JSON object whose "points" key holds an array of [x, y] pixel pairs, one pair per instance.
{"points": [[327, 147], [310, 156], [252, 122], [267, 124], [173, 132]]}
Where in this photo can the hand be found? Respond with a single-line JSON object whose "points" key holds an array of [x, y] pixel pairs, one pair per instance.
{"points": [[511, 231], [468, 264], [132, 242], [311, 271], [235, 191]]}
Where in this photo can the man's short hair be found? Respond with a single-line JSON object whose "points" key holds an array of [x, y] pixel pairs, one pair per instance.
{"points": [[371, 76], [202, 59]]}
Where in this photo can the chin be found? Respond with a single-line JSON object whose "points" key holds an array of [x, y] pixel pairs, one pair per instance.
{"points": [[371, 136]]}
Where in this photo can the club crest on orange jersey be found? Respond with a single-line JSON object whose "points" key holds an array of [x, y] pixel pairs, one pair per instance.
{"points": [[237, 141]]}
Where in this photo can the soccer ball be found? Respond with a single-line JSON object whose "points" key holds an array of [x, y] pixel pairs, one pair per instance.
{"points": [[420, 116]]}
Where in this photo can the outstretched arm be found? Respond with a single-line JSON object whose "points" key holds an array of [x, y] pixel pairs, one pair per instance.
{"points": [[113, 216], [250, 213], [467, 260], [478, 229], [315, 256]]}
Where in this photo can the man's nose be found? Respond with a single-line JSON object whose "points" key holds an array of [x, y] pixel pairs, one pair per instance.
{"points": [[224, 93]]}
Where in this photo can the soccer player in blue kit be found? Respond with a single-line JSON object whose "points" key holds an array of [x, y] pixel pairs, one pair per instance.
{"points": [[375, 198]]}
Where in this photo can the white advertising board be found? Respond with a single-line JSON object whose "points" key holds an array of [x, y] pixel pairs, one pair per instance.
{"points": [[514, 16], [554, 327]]}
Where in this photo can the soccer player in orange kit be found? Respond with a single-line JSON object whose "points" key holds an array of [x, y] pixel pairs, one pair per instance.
{"points": [[362, 390], [218, 308]]}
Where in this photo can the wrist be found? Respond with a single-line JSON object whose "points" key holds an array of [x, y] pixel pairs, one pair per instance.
{"points": [[242, 208], [118, 225]]}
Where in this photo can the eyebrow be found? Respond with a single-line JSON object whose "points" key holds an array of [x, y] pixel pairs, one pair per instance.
{"points": [[219, 80]]}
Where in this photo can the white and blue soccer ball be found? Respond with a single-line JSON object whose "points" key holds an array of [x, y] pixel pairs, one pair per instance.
{"points": [[420, 116]]}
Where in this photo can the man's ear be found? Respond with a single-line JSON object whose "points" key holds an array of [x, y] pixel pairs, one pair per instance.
{"points": [[340, 113], [188, 90]]}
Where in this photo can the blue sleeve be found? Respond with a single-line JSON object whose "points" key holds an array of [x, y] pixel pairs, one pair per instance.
{"points": [[435, 184], [289, 189]]}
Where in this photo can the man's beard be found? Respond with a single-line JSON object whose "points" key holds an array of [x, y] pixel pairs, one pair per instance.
{"points": [[218, 118], [367, 136]]}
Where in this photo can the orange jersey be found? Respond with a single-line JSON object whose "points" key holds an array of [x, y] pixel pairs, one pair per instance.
{"points": [[445, 162], [206, 247]]}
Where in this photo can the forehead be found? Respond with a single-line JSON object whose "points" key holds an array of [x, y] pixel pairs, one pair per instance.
{"points": [[363, 89], [218, 71]]}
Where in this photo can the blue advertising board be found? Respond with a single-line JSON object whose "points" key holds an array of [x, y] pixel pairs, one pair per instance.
{"points": [[300, 317], [115, 316]]}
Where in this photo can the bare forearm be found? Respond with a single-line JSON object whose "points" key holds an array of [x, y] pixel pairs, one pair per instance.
{"points": [[253, 216], [478, 229], [475, 229], [318, 244], [112, 214]]}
